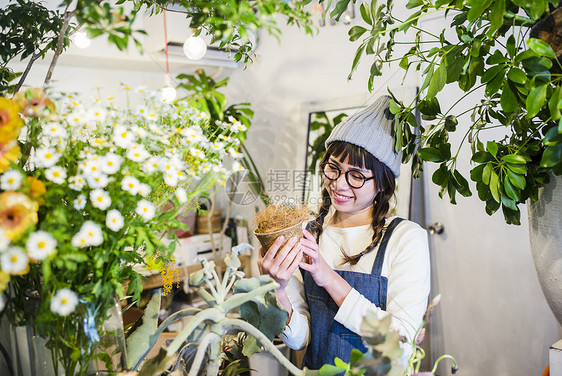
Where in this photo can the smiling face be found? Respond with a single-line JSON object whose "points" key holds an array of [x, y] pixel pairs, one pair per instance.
{"points": [[353, 205], [356, 206]]}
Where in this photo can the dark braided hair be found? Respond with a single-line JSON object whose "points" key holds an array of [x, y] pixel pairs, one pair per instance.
{"points": [[384, 182]]}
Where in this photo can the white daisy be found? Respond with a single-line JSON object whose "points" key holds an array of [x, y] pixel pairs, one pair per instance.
{"points": [[151, 165], [144, 189], [46, 157], [92, 165], [4, 240], [11, 180], [40, 245], [111, 163], [137, 153], [90, 234], [233, 153], [114, 220], [64, 302], [14, 261], [97, 180], [100, 199], [171, 179], [181, 195], [122, 137], [56, 174], [146, 210], [197, 153], [130, 184], [54, 130], [80, 202], [76, 183]]}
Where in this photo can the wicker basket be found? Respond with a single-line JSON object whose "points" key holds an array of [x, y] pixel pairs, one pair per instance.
{"points": [[267, 239], [202, 225]]}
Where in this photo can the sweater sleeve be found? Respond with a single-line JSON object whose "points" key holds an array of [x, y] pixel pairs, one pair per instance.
{"points": [[407, 268], [297, 332]]}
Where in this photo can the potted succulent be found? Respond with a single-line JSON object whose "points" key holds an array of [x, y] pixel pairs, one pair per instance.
{"points": [[508, 49]]}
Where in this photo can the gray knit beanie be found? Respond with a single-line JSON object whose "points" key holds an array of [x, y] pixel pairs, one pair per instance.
{"points": [[371, 129]]}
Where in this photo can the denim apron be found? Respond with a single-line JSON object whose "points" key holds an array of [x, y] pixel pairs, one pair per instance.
{"points": [[329, 338]]}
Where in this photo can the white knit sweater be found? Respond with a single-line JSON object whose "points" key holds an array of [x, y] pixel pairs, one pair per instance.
{"points": [[406, 265]]}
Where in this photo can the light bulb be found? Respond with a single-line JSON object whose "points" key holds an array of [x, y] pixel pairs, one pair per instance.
{"points": [[194, 48], [81, 40], [168, 93]]}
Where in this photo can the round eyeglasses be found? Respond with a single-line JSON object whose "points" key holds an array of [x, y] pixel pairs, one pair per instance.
{"points": [[354, 178]]}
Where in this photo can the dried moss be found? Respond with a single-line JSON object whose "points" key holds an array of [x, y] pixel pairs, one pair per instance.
{"points": [[277, 217]]}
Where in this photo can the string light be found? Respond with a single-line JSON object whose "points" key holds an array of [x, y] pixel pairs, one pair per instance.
{"points": [[81, 39], [168, 91], [194, 47]]}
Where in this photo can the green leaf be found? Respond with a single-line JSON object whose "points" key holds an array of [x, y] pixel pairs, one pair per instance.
{"points": [[451, 123], [366, 13], [518, 169], [482, 157], [511, 191], [553, 103], [552, 156], [510, 46], [330, 370], [414, 3], [461, 184], [429, 107], [476, 173], [517, 75], [506, 201], [496, 83], [541, 48], [535, 101], [356, 60], [404, 62], [139, 341], [508, 99], [495, 186], [552, 137], [516, 179], [431, 154], [355, 33], [440, 175], [514, 158], [487, 173], [492, 147], [437, 82], [496, 16], [492, 72], [477, 8]]}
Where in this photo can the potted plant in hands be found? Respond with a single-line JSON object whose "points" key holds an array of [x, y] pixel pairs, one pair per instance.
{"points": [[519, 80]]}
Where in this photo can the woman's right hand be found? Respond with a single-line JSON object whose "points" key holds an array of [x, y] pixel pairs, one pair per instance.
{"points": [[280, 261]]}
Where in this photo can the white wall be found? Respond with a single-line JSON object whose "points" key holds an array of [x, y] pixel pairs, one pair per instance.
{"points": [[285, 77]]}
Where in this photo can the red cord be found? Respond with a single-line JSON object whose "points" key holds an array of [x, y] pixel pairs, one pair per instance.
{"points": [[166, 42]]}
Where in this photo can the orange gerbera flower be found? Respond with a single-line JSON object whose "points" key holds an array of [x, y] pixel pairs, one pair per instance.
{"points": [[9, 152], [34, 103], [36, 188], [10, 120], [17, 213]]}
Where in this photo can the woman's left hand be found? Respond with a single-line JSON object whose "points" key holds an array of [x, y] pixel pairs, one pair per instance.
{"points": [[316, 265]]}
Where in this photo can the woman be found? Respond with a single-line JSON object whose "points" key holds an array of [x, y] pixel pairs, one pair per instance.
{"points": [[359, 257]]}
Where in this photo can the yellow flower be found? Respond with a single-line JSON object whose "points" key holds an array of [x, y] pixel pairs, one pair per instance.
{"points": [[36, 188], [34, 103], [9, 152], [10, 120], [4, 279], [17, 213]]}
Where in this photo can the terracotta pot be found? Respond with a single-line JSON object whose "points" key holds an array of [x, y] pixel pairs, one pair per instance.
{"points": [[545, 227]]}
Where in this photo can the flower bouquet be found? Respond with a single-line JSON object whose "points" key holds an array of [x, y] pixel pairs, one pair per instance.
{"points": [[83, 184]]}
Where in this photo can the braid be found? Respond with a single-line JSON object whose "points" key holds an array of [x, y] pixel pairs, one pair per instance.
{"points": [[316, 226]]}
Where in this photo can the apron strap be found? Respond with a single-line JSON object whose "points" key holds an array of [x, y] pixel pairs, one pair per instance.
{"points": [[377, 265]]}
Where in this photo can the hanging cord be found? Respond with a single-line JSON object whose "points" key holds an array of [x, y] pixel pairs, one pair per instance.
{"points": [[166, 42]]}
